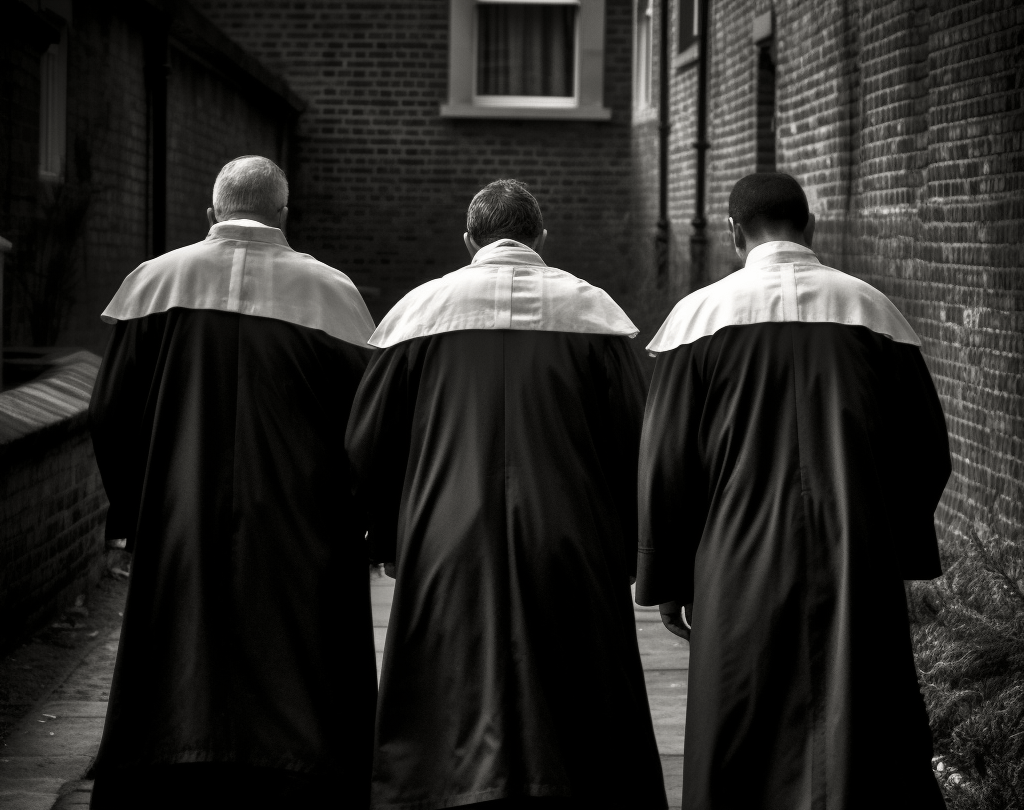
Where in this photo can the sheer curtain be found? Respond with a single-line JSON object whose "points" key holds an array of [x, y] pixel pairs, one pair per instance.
{"points": [[526, 49]]}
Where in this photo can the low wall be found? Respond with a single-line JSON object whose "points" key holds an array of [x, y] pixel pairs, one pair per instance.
{"points": [[52, 503]]}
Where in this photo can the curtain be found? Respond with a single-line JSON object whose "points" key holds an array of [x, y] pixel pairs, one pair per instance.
{"points": [[526, 50]]}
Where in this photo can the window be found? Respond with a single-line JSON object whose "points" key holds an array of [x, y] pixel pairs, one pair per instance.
{"points": [[689, 26], [643, 69], [526, 59], [53, 85], [764, 40]]}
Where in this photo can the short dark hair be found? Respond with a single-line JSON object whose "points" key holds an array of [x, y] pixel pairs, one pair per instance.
{"points": [[504, 209], [768, 198]]}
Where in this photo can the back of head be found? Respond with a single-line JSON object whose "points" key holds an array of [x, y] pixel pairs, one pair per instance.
{"points": [[764, 201], [504, 209], [251, 185]]}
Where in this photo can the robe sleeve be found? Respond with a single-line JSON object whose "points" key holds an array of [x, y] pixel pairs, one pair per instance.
{"points": [[920, 466], [672, 487], [626, 414], [116, 412], [377, 443]]}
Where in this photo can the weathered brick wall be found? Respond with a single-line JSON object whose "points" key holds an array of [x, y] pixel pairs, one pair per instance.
{"points": [[108, 156], [52, 504], [19, 147], [211, 119], [209, 123], [903, 121], [381, 182]]}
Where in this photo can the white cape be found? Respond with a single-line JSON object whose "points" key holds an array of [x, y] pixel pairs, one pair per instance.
{"points": [[782, 282], [507, 286], [250, 271]]}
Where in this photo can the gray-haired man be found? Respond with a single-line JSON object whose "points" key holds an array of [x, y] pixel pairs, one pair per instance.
{"points": [[245, 675], [495, 440]]}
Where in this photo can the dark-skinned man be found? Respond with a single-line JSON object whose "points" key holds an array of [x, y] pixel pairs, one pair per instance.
{"points": [[794, 451]]}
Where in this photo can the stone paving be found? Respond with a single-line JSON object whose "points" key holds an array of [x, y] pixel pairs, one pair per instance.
{"points": [[47, 756]]}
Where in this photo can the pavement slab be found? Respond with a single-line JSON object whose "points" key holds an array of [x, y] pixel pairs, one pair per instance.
{"points": [[51, 749]]}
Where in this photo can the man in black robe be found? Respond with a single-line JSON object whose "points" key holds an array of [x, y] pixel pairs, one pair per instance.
{"points": [[246, 674], [494, 440], [793, 454]]}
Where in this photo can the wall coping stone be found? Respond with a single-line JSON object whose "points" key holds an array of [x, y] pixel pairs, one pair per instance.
{"points": [[48, 409]]}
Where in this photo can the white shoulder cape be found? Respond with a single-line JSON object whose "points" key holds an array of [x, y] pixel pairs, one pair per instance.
{"points": [[507, 286], [250, 271], [782, 282]]}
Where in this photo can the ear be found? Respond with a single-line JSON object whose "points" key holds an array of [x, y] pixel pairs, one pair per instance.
{"points": [[471, 246], [538, 243], [211, 217], [283, 219], [739, 239], [809, 230]]}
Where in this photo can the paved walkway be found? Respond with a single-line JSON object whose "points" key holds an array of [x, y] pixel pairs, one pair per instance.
{"points": [[44, 763]]}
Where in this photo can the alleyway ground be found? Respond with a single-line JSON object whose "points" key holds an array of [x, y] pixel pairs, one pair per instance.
{"points": [[43, 764]]}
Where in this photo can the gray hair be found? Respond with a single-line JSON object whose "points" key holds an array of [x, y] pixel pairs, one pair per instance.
{"points": [[504, 209], [250, 184]]}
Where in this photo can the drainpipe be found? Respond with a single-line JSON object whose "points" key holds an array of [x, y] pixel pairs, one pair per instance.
{"points": [[699, 239], [159, 71], [661, 234]]}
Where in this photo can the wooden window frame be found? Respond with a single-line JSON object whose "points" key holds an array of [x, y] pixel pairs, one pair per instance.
{"points": [[588, 103]]}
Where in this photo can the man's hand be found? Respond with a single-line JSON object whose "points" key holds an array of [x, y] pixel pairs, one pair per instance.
{"points": [[674, 619]]}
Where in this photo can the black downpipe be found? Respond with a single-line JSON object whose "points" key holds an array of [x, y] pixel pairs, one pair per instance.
{"points": [[159, 70], [661, 234], [699, 239]]}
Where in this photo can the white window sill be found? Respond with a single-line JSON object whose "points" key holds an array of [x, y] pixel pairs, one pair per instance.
{"points": [[687, 57], [644, 115], [594, 113]]}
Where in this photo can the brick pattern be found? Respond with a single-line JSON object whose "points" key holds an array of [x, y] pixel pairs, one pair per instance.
{"points": [[381, 183], [210, 121], [52, 503], [902, 119]]}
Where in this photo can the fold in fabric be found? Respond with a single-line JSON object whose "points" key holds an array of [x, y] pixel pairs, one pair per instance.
{"points": [[782, 282], [507, 286], [250, 271]]}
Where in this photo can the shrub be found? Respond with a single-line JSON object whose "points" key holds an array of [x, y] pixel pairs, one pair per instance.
{"points": [[968, 631]]}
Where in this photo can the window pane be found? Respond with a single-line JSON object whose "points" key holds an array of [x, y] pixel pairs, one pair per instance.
{"points": [[526, 50]]}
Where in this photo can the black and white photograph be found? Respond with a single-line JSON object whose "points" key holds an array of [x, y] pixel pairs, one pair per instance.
{"points": [[512, 404]]}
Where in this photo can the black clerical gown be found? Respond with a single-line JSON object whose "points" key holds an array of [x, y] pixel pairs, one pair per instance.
{"points": [[247, 637], [499, 465], [794, 451]]}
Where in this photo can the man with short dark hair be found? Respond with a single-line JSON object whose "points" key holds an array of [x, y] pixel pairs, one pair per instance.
{"points": [[793, 454], [494, 440], [246, 672]]}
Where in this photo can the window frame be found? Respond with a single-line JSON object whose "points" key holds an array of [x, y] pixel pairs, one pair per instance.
{"points": [[643, 63], [687, 49], [53, 110], [588, 102]]}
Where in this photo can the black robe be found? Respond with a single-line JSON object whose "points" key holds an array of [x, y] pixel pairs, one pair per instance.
{"points": [[788, 477], [500, 471], [247, 636]]}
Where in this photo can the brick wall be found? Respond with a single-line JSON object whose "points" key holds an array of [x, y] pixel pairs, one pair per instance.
{"points": [[902, 119], [209, 123], [381, 182], [213, 115], [52, 504], [108, 157]]}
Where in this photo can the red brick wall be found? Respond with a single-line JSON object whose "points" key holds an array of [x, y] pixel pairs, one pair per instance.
{"points": [[381, 182], [903, 121], [210, 120], [52, 504], [107, 153], [209, 123]]}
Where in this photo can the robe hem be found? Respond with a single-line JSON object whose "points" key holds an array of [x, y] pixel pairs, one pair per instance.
{"points": [[209, 757], [462, 799]]}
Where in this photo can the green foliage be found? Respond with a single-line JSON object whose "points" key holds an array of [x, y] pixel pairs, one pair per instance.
{"points": [[968, 629]]}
